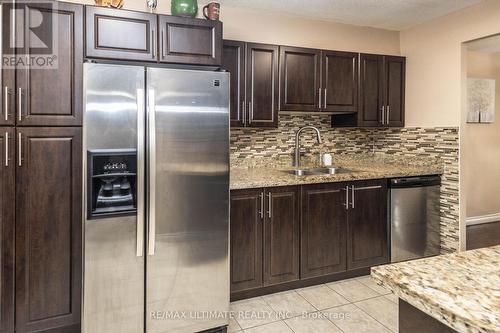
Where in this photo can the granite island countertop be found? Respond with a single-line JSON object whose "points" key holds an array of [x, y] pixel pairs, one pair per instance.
{"points": [[258, 173], [461, 290]]}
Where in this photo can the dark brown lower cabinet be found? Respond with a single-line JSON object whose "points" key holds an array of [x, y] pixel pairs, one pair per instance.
{"points": [[48, 256], [7, 229], [281, 235], [367, 224], [246, 239], [323, 232], [294, 236]]}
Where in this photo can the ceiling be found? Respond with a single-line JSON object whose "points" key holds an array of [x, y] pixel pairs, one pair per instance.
{"points": [[487, 45], [386, 14]]}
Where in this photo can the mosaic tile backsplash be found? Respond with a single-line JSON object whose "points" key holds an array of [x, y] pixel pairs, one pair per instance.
{"points": [[248, 144]]}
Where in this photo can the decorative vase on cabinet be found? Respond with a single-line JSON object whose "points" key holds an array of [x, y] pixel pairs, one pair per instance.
{"points": [[185, 8]]}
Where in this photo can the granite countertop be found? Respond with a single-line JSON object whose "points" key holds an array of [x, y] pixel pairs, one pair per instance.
{"points": [[461, 290], [269, 173]]}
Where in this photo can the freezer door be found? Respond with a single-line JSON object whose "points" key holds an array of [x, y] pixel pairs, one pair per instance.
{"points": [[114, 117], [187, 282]]}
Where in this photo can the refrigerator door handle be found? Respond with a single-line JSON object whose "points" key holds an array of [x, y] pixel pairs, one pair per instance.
{"points": [[141, 162], [151, 183]]}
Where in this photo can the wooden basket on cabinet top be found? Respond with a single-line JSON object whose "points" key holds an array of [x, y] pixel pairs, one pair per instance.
{"points": [[139, 36]]}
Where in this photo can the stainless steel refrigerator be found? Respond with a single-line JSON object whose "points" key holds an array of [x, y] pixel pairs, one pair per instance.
{"points": [[156, 145]]}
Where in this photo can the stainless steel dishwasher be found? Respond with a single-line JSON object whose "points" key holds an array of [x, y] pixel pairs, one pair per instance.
{"points": [[414, 217]]}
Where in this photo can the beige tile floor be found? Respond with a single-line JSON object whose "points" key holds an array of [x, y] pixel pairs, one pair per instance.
{"points": [[356, 305]]}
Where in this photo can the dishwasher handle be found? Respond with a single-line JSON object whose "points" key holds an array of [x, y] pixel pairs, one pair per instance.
{"points": [[420, 181]]}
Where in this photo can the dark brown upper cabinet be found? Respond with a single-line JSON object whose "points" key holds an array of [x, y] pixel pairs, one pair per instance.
{"points": [[262, 85], [382, 90], [52, 96], [233, 61], [7, 79], [300, 79], [48, 257], [254, 83], [190, 41], [323, 230], [367, 240], [247, 220], [121, 34], [7, 229], [340, 81], [281, 235]]}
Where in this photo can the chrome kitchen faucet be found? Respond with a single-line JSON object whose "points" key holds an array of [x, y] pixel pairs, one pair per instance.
{"points": [[297, 143]]}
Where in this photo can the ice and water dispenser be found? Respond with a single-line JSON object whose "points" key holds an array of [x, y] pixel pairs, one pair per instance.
{"points": [[112, 183]]}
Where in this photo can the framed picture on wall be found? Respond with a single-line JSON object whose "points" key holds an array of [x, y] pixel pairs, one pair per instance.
{"points": [[480, 100]]}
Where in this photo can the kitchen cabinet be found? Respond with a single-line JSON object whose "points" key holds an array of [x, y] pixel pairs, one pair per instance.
{"points": [[190, 41], [7, 77], [281, 235], [264, 237], [300, 73], [7, 229], [340, 81], [367, 226], [138, 36], [52, 96], [247, 220], [254, 83], [382, 91], [233, 61], [318, 80], [323, 230], [121, 34], [48, 256]]}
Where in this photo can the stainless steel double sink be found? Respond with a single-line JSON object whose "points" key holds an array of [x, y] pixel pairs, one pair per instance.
{"points": [[318, 171]]}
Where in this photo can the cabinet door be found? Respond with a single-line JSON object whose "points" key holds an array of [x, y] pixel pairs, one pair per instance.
{"points": [[371, 90], [53, 97], [7, 229], [121, 34], [48, 229], [340, 81], [323, 230], [300, 79], [281, 235], [262, 85], [233, 60], [395, 91], [367, 225], [246, 221], [7, 76], [190, 41]]}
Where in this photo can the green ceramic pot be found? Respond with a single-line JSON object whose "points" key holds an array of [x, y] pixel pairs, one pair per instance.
{"points": [[186, 8]]}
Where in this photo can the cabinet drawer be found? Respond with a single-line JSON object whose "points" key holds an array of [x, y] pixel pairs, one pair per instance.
{"points": [[120, 34], [190, 41]]}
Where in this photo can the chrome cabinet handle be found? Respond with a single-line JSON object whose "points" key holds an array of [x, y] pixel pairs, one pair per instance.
{"points": [[153, 43], [6, 102], [270, 205], [319, 99], [20, 104], [261, 205], [324, 104], [383, 115], [352, 198], [141, 137], [20, 149], [243, 113], [368, 188], [151, 184], [346, 198], [388, 115], [162, 45], [250, 110], [6, 149]]}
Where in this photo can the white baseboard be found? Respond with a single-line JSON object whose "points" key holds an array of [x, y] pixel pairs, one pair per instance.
{"points": [[483, 219]]}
